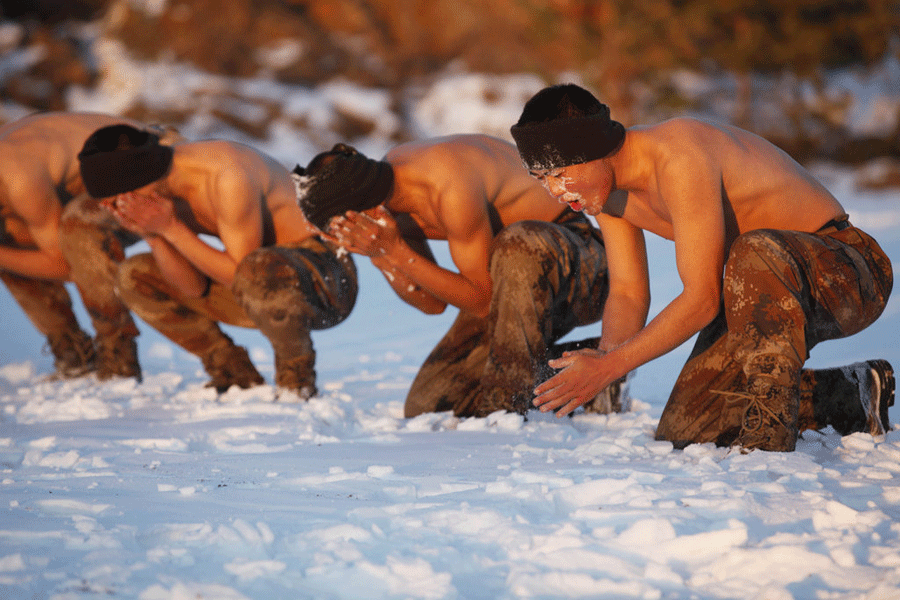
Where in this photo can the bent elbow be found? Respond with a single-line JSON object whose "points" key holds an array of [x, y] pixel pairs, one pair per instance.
{"points": [[707, 311], [53, 267], [482, 310], [63, 273], [435, 308], [481, 304]]}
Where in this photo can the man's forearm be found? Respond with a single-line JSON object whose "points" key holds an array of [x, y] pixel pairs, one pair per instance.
{"points": [[449, 287], [674, 325], [33, 263], [176, 269], [622, 319], [408, 290], [209, 261]]}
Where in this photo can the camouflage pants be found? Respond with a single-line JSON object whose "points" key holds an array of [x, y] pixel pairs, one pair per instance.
{"points": [[284, 291], [548, 278], [46, 302], [783, 292], [93, 244]]}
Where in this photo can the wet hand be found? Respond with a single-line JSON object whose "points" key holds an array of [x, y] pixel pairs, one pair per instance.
{"points": [[584, 373], [371, 233]]}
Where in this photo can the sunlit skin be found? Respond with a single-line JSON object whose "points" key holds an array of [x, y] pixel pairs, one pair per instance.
{"points": [[698, 184], [218, 188], [38, 172], [444, 189], [143, 211], [370, 233]]}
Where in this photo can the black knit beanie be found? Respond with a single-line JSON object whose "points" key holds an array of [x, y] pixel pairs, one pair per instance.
{"points": [[120, 158], [339, 180], [567, 141]]}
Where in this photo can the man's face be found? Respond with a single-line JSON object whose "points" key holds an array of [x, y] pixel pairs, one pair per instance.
{"points": [[584, 187]]}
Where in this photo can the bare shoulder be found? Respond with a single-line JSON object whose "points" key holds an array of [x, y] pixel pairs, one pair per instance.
{"points": [[681, 132], [690, 144], [231, 160], [462, 148], [217, 150]]}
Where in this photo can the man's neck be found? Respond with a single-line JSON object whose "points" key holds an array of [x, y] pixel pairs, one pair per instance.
{"points": [[627, 171], [182, 176]]}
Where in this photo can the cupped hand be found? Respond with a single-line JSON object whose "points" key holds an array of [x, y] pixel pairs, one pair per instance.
{"points": [[144, 214], [584, 373], [371, 233]]}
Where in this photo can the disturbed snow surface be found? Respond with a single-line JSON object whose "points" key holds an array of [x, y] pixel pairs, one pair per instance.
{"points": [[162, 490]]}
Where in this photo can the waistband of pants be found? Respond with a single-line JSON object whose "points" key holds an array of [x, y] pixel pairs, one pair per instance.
{"points": [[838, 223]]}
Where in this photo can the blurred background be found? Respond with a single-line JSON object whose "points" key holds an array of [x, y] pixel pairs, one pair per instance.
{"points": [[820, 78]]}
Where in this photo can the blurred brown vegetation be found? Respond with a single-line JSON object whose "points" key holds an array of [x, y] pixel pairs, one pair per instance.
{"points": [[622, 48]]}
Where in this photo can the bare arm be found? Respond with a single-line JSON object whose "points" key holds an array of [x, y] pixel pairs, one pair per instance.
{"points": [[403, 286], [372, 236], [628, 301], [236, 207], [37, 207], [186, 259], [587, 371], [149, 216], [176, 268], [469, 237], [695, 206]]}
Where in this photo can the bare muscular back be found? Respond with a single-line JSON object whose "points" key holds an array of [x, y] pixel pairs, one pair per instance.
{"points": [[46, 146], [260, 184], [760, 185], [39, 167], [455, 171]]}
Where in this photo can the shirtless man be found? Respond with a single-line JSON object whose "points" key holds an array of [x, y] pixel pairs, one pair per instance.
{"points": [[528, 269], [271, 271], [38, 177], [796, 272]]}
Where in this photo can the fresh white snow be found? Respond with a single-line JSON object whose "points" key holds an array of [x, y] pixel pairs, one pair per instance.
{"points": [[165, 491]]}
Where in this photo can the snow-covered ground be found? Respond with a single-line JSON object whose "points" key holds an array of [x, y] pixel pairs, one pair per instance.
{"points": [[163, 490]]}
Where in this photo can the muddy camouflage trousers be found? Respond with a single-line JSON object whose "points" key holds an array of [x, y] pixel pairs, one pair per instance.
{"points": [[284, 291], [548, 278], [783, 293]]}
